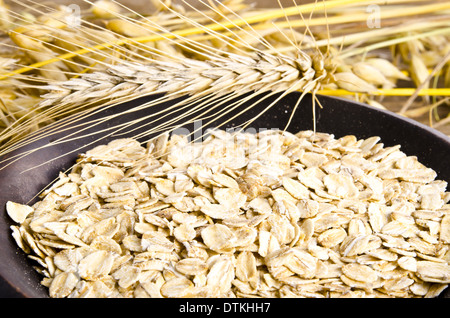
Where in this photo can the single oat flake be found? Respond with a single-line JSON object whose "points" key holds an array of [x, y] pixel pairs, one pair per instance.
{"points": [[269, 214]]}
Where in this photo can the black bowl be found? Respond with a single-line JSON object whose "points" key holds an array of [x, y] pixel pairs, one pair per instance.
{"points": [[338, 116]]}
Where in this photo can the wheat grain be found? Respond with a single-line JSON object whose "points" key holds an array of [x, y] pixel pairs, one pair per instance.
{"points": [[181, 36], [262, 72], [104, 9]]}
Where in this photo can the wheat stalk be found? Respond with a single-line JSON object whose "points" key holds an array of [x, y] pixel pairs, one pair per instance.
{"points": [[189, 77], [234, 57]]}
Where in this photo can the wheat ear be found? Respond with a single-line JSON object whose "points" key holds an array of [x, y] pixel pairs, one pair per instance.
{"points": [[262, 72]]}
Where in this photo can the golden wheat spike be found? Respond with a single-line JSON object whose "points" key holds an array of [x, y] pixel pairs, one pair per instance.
{"points": [[182, 33], [69, 94], [222, 73]]}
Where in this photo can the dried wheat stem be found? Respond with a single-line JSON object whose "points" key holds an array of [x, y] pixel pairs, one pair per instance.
{"points": [[374, 35], [221, 73], [442, 122], [185, 32], [390, 92], [241, 22], [387, 43], [411, 99]]}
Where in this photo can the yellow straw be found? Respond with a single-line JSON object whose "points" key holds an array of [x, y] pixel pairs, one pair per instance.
{"points": [[384, 15], [241, 22]]}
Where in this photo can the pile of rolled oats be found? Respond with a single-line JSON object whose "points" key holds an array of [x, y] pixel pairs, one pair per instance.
{"points": [[267, 214]]}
